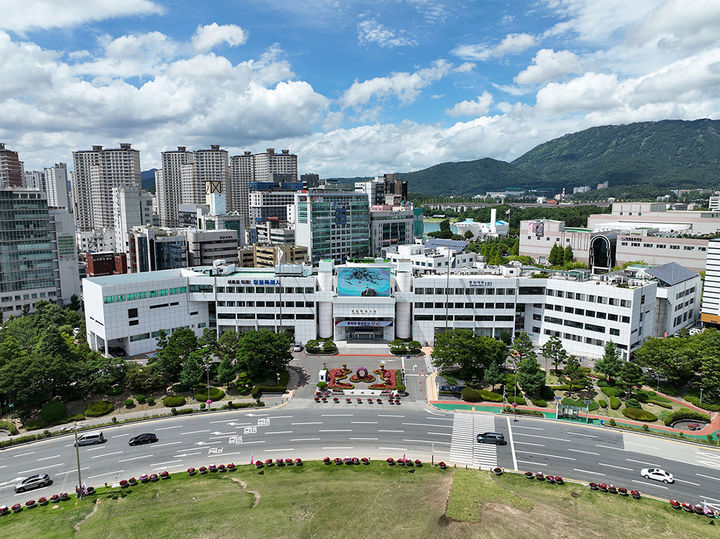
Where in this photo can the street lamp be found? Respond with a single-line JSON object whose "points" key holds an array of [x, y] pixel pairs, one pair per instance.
{"points": [[701, 391], [207, 370], [78, 492]]}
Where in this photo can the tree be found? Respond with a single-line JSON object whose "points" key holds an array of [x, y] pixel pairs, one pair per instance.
{"points": [[568, 255], [329, 347], [677, 359], [414, 347], [180, 345], [263, 353], [469, 235], [521, 349], [470, 352], [515, 249], [192, 373], [397, 347], [493, 375], [610, 364], [74, 304], [228, 344], [506, 337], [556, 255], [631, 376], [573, 370], [554, 352], [226, 371], [530, 377]]}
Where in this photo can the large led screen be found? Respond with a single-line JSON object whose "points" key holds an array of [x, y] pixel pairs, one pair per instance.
{"points": [[364, 281]]}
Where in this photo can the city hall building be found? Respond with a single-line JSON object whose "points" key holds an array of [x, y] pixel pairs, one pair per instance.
{"points": [[380, 302]]}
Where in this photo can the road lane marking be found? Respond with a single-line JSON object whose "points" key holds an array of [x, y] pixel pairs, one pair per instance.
{"points": [[168, 443], [43, 468], [441, 433], [336, 415], [282, 416], [107, 455], [688, 482], [193, 432], [543, 437], [254, 442], [45, 458], [108, 473], [588, 471], [363, 422], [286, 450], [279, 432], [545, 455], [648, 484], [708, 476], [158, 464], [120, 435], [362, 438], [173, 427], [614, 466], [223, 421], [645, 463], [308, 423], [390, 415], [338, 430], [26, 454], [530, 443], [526, 427], [339, 447], [428, 425], [136, 458], [611, 447], [395, 448], [304, 439], [423, 441], [583, 451], [385, 430], [580, 434]]}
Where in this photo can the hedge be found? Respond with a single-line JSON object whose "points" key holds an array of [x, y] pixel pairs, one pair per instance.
{"points": [[540, 403], [172, 401], [259, 390], [660, 403], [114, 391], [490, 396], [98, 408], [519, 400], [129, 403], [567, 387], [53, 411], [638, 414], [522, 411], [547, 393], [611, 391], [685, 413], [694, 399], [602, 403], [615, 403], [215, 394], [9, 426], [181, 411], [470, 395], [244, 404]]}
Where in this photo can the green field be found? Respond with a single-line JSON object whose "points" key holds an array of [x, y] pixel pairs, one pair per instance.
{"points": [[353, 501]]}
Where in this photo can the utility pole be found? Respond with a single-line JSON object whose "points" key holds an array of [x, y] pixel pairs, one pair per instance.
{"points": [[77, 455]]}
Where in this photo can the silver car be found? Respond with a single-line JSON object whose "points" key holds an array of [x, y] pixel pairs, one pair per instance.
{"points": [[34, 481]]}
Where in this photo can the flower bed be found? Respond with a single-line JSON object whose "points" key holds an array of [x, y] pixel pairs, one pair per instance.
{"points": [[388, 379], [336, 375], [362, 375]]}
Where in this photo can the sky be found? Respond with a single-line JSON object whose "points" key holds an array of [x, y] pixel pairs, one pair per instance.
{"points": [[354, 88]]}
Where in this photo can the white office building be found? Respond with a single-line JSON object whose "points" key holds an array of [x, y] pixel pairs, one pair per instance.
{"points": [[382, 301], [56, 186], [131, 207]]}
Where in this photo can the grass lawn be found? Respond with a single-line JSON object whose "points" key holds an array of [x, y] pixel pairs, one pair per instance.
{"points": [[353, 501]]}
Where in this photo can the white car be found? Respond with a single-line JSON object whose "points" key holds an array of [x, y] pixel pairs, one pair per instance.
{"points": [[658, 474], [297, 348]]}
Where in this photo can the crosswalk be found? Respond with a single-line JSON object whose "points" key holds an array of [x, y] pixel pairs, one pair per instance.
{"points": [[464, 448]]}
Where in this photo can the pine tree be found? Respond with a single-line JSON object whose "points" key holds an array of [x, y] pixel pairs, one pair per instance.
{"points": [[556, 255], [568, 255], [515, 250], [610, 364]]}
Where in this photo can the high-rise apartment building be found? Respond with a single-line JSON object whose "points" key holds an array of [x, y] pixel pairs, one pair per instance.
{"points": [[34, 179], [168, 182], [275, 167], [96, 173], [56, 186], [131, 207], [11, 168], [333, 225], [205, 166], [242, 172]]}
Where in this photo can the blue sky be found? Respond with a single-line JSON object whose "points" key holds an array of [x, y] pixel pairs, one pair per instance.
{"points": [[352, 87]]}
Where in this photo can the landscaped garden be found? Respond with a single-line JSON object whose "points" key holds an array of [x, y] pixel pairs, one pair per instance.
{"points": [[309, 500], [380, 379]]}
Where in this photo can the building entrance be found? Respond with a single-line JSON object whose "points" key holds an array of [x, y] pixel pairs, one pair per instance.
{"points": [[364, 334]]}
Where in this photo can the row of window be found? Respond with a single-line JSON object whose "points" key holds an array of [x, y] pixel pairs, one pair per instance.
{"points": [[466, 291], [265, 316], [473, 305], [144, 295], [592, 298], [586, 312], [577, 338], [309, 304], [466, 317], [580, 325], [685, 293], [663, 246]]}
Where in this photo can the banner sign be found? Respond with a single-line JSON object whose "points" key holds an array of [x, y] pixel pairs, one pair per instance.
{"points": [[364, 323]]}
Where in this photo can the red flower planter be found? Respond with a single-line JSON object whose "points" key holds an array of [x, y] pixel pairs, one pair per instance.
{"points": [[687, 507], [635, 494], [612, 489], [212, 468], [124, 483], [675, 504], [16, 508], [559, 480], [43, 501], [221, 468], [365, 460], [298, 462], [54, 498], [153, 477], [4, 510], [191, 471], [529, 475], [622, 491], [289, 462], [64, 496], [231, 467], [359, 400], [259, 464], [132, 481], [699, 509], [338, 461], [144, 478], [327, 460], [30, 503], [391, 461], [593, 486], [202, 470], [443, 466], [164, 475]]}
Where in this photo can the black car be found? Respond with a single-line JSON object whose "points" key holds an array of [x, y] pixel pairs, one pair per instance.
{"points": [[146, 438], [34, 481], [491, 438]]}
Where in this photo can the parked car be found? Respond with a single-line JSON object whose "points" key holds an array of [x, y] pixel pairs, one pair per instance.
{"points": [[491, 438], [34, 481], [657, 474], [91, 438], [146, 438], [297, 347]]}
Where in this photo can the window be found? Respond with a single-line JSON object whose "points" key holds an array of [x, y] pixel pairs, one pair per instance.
{"points": [[133, 322], [614, 331], [601, 315], [613, 317], [132, 297], [141, 337], [625, 319], [132, 313], [593, 327]]}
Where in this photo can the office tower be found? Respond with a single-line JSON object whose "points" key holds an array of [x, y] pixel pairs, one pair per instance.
{"points": [[205, 166], [242, 172], [11, 168], [37, 251], [168, 182], [206, 246], [333, 224], [152, 249], [56, 186], [96, 173], [34, 179], [131, 207]]}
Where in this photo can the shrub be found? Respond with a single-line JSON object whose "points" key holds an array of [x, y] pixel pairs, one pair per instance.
{"points": [[202, 405], [470, 395], [642, 396], [611, 391], [322, 385], [602, 383], [400, 387], [547, 393], [450, 379], [182, 411], [140, 399], [509, 380], [312, 346], [172, 401], [150, 401], [76, 417], [490, 396], [615, 403], [98, 408], [522, 411], [602, 403], [612, 422], [129, 403], [561, 387], [215, 394], [540, 403], [244, 404], [35, 424], [519, 400], [638, 414], [9, 426], [685, 413], [661, 404], [329, 347], [632, 403], [259, 390], [114, 390], [53, 411], [694, 399]]}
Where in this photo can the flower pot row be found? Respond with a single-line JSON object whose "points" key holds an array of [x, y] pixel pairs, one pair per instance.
{"points": [[278, 462], [348, 400], [205, 469], [611, 489], [552, 479], [690, 508], [16, 508], [404, 461]]}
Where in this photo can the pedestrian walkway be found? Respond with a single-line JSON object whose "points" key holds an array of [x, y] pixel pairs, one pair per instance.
{"points": [[464, 448]]}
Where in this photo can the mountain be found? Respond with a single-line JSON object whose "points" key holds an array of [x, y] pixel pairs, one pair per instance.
{"points": [[669, 153], [148, 179]]}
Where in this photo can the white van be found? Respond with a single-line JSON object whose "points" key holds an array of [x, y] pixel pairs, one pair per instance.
{"points": [[91, 438]]}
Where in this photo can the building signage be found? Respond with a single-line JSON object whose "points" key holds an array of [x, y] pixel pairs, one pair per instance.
{"points": [[260, 282], [364, 323], [480, 283], [363, 311]]}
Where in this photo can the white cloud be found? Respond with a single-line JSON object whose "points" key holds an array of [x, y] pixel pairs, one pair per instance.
{"points": [[23, 15], [370, 31], [476, 107], [592, 91], [511, 44], [406, 86], [548, 65], [130, 56], [210, 36], [510, 89], [465, 67]]}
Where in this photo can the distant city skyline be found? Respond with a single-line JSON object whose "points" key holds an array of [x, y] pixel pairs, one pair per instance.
{"points": [[352, 88]]}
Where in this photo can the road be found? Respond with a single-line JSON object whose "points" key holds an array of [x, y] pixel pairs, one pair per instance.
{"points": [[311, 431]]}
